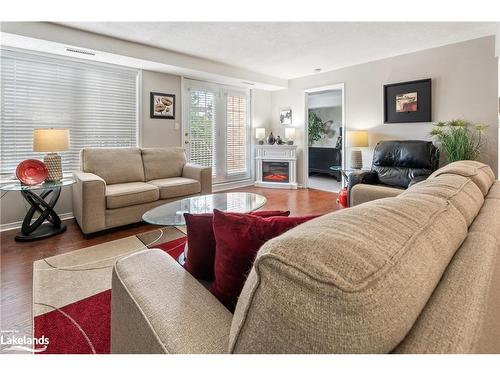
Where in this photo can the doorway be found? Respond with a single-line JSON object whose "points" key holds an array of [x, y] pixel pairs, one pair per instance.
{"points": [[324, 138]]}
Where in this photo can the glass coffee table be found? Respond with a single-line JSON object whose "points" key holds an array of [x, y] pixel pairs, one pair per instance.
{"points": [[172, 214]]}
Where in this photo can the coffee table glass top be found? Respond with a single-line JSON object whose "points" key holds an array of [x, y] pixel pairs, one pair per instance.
{"points": [[173, 213], [18, 186]]}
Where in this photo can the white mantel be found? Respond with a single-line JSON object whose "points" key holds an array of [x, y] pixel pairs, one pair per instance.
{"points": [[276, 153]]}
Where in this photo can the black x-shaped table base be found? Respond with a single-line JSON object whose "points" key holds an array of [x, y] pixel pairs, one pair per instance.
{"points": [[36, 230]]}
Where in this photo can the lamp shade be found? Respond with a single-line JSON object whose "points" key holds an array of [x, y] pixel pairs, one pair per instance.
{"points": [[289, 133], [260, 133], [50, 140], [357, 138]]}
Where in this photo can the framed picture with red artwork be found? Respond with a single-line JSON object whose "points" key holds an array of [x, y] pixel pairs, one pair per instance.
{"points": [[408, 102]]}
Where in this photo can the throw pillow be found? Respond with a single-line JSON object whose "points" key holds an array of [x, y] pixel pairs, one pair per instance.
{"points": [[238, 238], [201, 242]]}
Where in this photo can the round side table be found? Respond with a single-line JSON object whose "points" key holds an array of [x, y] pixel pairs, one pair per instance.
{"points": [[42, 199]]}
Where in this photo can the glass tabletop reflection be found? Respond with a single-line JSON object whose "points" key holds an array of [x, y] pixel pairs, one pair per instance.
{"points": [[18, 186], [173, 213]]}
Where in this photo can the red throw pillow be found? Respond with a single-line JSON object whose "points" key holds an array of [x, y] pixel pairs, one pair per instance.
{"points": [[201, 242], [238, 238]]}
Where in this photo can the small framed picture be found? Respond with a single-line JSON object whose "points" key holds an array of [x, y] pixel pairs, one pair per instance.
{"points": [[162, 106], [408, 102], [286, 116]]}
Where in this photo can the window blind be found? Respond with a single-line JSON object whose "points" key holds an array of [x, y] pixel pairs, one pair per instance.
{"points": [[202, 119], [236, 134], [96, 102]]}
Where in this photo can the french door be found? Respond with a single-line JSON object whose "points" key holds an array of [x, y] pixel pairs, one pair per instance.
{"points": [[217, 129]]}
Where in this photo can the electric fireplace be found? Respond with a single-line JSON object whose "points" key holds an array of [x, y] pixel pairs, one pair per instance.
{"points": [[275, 171], [276, 166]]}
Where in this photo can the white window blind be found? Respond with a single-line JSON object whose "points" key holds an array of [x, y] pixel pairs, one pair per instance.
{"points": [[96, 102], [202, 119], [236, 134]]}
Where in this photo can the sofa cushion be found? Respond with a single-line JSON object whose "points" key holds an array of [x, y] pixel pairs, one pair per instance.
{"points": [[362, 275], [451, 320], [494, 192], [200, 235], [163, 162], [488, 220], [176, 187], [238, 237], [480, 173], [113, 165], [460, 191], [130, 194]]}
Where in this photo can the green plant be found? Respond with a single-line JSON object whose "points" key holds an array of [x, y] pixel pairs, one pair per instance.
{"points": [[459, 139], [315, 128]]}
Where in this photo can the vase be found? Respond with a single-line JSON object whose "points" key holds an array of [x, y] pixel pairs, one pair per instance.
{"points": [[271, 140]]}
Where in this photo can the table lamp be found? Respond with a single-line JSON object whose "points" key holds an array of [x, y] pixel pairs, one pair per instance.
{"points": [[289, 135], [51, 141], [357, 138], [260, 134]]}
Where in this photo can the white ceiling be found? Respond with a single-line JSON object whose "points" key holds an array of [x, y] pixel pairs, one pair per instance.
{"points": [[289, 50]]}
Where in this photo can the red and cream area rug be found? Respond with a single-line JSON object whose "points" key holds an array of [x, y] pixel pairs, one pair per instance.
{"points": [[72, 291]]}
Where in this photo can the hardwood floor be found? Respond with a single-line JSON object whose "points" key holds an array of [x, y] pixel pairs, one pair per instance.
{"points": [[17, 257]]}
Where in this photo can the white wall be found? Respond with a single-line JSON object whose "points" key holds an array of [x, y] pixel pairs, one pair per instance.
{"points": [[464, 85], [261, 110], [160, 132]]}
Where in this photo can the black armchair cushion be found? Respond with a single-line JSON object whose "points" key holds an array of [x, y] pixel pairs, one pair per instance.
{"points": [[398, 163]]}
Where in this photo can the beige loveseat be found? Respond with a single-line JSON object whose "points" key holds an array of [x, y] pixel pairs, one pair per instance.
{"points": [[417, 273], [116, 186]]}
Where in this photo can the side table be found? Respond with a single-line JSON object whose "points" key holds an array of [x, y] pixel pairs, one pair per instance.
{"points": [[42, 199]]}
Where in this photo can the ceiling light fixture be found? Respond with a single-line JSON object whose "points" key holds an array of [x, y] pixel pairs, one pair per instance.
{"points": [[81, 51], [248, 83], [317, 70]]}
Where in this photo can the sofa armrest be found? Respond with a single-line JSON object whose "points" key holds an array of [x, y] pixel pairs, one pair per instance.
{"points": [[89, 202], [354, 178], [202, 174], [362, 193], [158, 307]]}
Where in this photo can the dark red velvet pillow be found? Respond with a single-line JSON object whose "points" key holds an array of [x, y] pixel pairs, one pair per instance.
{"points": [[201, 242], [238, 238]]}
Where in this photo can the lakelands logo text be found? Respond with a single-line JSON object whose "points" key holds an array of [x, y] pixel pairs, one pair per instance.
{"points": [[11, 342]]}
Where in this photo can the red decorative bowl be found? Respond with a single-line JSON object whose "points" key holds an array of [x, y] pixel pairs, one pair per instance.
{"points": [[31, 172]]}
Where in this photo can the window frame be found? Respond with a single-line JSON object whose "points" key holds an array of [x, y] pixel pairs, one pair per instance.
{"points": [[221, 92]]}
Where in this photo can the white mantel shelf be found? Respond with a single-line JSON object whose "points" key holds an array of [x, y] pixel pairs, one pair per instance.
{"points": [[276, 153]]}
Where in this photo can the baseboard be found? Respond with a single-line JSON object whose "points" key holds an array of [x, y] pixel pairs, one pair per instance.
{"points": [[231, 185], [18, 224]]}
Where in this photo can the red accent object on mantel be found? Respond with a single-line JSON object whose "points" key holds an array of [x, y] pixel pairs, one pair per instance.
{"points": [[239, 238], [201, 242], [31, 172]]}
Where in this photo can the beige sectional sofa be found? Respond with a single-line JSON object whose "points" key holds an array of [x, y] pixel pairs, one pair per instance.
{"points": [[116, 186], [416, 273]]}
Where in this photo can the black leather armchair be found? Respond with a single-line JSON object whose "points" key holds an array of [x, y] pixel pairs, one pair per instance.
{"points": [[396, 165]]}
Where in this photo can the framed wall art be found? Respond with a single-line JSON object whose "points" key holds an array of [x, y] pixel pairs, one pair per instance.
{"points": [[408, 102], [162, 106], [286, 117]]}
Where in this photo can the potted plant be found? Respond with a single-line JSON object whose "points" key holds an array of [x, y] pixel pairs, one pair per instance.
{"points": [[315, 128], [459, 139]]}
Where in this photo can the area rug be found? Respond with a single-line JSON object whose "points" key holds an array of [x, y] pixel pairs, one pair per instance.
{"points": [[72, 291]]}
